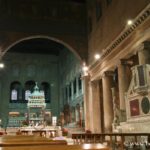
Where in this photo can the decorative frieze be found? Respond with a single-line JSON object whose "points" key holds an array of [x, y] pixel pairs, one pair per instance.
{"points": [[139, 20], [96, 68]]}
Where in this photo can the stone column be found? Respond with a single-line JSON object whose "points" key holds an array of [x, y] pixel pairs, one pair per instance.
{"points": [[96, 117], [81, 116], [72, 91], [68, 94], [144, 53], [107, 83], [77, 114], [77, 86], [123, 82], [86, 101], [72, 114]]}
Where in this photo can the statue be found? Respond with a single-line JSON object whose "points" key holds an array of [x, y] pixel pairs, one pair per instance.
{"points": [[116, 120]]}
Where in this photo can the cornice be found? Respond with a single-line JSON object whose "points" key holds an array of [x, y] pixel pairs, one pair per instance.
{"points": [[124, 35]]}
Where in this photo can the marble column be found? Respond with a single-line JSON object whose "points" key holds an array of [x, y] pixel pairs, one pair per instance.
{"points": [[144, 53], [86, 101], [96, 117], [107, 84], [123, 82]]}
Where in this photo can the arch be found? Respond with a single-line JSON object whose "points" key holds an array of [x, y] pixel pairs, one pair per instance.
{"points": [[29, 85], [45, 37]]}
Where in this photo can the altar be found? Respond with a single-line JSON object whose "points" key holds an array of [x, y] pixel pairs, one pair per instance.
{"points": [[37, 118], [48, 131]]}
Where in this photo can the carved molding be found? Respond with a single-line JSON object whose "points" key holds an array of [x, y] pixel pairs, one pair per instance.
{"points": [[108, 73], [127, 35], [138, 21], [126, 62], [144, 46]]}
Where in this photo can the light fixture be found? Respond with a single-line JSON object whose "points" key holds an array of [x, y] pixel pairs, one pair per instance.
{"points": [[1, 65], [85, 68], [97, 56], [129, 22]]}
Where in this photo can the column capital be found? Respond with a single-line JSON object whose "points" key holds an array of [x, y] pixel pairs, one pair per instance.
{"points": [[144, 46], [125, 62], [107, 73], [85, 77]]}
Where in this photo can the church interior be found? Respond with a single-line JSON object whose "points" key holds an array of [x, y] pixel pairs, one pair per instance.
{"points": [[75, 72]]}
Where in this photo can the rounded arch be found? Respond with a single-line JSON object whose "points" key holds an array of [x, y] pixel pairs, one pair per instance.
{"points": [[46, 37], [29, 85]]}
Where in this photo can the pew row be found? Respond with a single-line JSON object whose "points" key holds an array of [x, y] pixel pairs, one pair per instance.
{"points": [[58, 147], [22, 140]]}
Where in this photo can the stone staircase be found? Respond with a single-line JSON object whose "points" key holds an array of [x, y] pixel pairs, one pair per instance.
{"points": [[73, 128]]}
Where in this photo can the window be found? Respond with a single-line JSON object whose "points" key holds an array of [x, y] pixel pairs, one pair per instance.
{"points": [[29, 87], [15, 91], [14, 95], [45, 87], [27, 94]]}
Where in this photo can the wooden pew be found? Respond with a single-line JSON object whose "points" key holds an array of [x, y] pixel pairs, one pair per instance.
{"points": [[58, 147], [22, 140]]}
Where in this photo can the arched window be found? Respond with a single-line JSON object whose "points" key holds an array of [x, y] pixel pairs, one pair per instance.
{"points": [[29, 87], [14, 95], [45, 87], [27, 94], [15, 91]]}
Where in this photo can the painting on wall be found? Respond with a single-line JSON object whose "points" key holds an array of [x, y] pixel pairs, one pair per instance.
{"points": [[134, 107]]}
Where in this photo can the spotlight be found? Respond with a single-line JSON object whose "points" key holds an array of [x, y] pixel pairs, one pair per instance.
{"points": [[97, 56], [129, 22]]}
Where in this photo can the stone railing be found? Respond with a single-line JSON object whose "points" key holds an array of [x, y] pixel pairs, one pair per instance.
{"points": [[115, 140]]}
